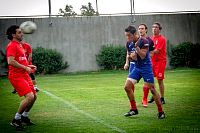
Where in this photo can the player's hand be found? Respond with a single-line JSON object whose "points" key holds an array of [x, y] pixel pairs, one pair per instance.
{"points": [[129, 57], [33, 68], [28, 69], [133, 56], [126, 66]]}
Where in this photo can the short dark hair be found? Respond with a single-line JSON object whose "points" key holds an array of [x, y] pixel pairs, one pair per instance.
{"points": [[146, 28], [130, 29], [144, 25], [11, 30], [159, 25]]}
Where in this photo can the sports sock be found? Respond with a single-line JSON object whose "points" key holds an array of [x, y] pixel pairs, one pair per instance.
{"points": [[25, 114], [35, 87], [18, 116], [133, 105], [146, 92], [160, 108]]}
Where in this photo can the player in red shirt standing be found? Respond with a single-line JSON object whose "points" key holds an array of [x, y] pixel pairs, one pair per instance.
{"points": [[28, 52], [159, 58], [18, 76]]}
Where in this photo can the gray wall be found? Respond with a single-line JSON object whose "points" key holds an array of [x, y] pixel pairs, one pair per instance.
{"points": [[79, 38]]}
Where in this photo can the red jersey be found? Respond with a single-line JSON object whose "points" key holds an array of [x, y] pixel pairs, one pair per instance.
{"points": [[16, 50], [28, 51], [159, 44]]}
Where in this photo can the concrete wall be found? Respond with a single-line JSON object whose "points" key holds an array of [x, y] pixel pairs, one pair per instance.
{"points": [[79, 38]]}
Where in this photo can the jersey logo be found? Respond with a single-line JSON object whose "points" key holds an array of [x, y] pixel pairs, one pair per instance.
{"points": [[22, 58]]}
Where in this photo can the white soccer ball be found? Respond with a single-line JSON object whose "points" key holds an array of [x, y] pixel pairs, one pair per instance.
{"points": [[28, 27]]}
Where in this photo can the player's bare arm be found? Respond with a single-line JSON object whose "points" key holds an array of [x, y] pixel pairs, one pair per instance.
{"points": [[156, 51], [133, 55], [126, 66], [30, 57], [142, 52], [13, 62]]}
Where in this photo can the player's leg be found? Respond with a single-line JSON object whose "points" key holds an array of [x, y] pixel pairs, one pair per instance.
{"points": [[155, 71], [160, 78], [130, 82], [148, 77], [145, 95], [34, 81], [130, 93], [156, 97], [131, 67], [162, 90], [25, 114], [32, 99], [23, 88]]}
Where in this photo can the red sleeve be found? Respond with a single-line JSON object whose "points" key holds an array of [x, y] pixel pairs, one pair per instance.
{"points": [[11, 50], [161, 44], [29, 49]]}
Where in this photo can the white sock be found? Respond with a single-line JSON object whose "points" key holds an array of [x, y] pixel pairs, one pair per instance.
{"points": [[25, 114], [18, 116], [35, 87]]}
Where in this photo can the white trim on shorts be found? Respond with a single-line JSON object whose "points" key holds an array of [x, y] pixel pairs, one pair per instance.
{"points": [[132, 80]]}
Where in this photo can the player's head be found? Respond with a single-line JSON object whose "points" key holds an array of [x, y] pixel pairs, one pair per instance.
{"points": [[142, 29], [156, 28], [14, 32], [130, 33]]}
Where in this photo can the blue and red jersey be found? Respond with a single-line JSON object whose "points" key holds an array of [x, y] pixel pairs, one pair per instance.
{"points": [[151, 44], [146, 62]]}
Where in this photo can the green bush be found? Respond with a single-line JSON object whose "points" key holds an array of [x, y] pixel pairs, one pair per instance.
{"points": [[185, 55], [111, 57], [48, 61], [3, 59]]}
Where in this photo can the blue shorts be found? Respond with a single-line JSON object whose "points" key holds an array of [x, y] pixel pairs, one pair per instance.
{"points": [[131, 66], [138, 73]]}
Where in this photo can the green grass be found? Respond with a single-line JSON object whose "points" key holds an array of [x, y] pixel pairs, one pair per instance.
{"points": [[95, 102]]}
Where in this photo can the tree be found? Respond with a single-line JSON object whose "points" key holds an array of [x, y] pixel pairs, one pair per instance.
{"points": [[67, 12], [88, 10]]}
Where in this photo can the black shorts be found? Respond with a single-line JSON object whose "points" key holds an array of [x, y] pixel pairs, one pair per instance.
{"points": [[32, 76]]}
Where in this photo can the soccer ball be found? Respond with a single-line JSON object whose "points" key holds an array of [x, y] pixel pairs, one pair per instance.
{"points": [[28, 27]]}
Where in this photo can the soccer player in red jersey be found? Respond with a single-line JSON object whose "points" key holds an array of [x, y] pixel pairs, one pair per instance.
{"points": [[28, 53], [18, 75], [159, 58]]}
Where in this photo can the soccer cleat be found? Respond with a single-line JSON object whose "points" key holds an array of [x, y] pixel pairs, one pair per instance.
{"points": [[17, 124], [144, 103], [131, 112], [161, 115], [151, 100], [14, 91], [27, 121], [36, 89], [162, 100]]}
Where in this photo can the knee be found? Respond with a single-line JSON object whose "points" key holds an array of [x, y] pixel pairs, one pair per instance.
{"points": [[153, 90], [127, 88], [35, 97], [30, 97]]}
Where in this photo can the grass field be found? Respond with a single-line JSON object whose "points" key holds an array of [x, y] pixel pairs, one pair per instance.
{"points": [[95, 103]]}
